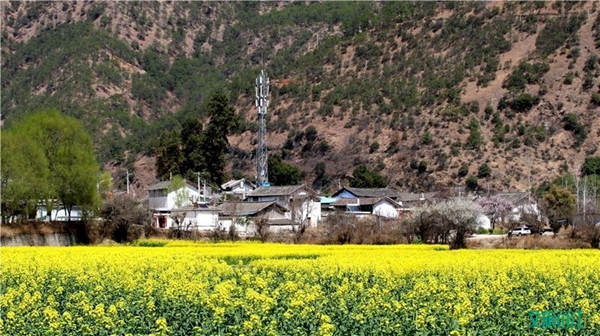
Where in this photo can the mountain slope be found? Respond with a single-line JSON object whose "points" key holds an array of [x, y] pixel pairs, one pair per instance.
{"points": [[388, 84]]}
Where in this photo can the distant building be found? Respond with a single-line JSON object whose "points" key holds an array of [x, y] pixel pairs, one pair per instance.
{"points": [[409, 201], [239, 188], [349, 192], [199, 217], [245, 214], [368, 206], [162, 202], [301, 201]]}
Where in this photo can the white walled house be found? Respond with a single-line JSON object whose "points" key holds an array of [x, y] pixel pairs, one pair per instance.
{"points": [[238, 187], [301, 201], [349, 192], [162, 202], [245, 214], [368, 206], [59, 214], [198, 217]]}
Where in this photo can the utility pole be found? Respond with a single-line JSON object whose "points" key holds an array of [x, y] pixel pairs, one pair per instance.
{"points": [[198, 175], [529, 183]]}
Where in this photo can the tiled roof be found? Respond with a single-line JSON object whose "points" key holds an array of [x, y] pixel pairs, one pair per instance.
{"points": [[234, 183], [278, 191], [412, 197], [165, 184], [246, 208], [279, 221], [370, 192], [200, 207], [363, 201], [159, 186]]}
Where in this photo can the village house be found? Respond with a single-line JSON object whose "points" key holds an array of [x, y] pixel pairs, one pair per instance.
{"points": [[239, 188], [409, 201], [367, 206], [301, 201], [196, 217], [244, 215], [349, 192], [162, 202], [361, 202]]}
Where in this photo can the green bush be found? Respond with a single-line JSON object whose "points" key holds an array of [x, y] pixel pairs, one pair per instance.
{"points": [[484, 171], [524, 102], [595, 98], [472, 183], [568, 79]]}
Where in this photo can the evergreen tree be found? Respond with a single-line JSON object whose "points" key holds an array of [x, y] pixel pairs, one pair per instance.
{"points": [[362, 177], [223, 121], [168, 155], [281, 173], [191, 140], [475, 138]]}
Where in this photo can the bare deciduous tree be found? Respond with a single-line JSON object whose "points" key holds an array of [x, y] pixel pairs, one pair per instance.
{"points": [[301, 208], [450, 220], [125, 219], [262, 228]]}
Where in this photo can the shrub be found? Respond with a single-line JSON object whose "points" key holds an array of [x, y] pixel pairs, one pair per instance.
{"points": [[422, 166], [571, 123], [524, 102], [595, 98], [472, 183], [463, 170], [426, 138], [484, 171], [374, 147], [591, 166], [568, 79]]}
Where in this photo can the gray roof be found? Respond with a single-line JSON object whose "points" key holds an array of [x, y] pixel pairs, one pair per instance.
{"points": [[165, 184], [364, 201], [370, 192], [235, 183], [279, 221], [198, 207], [278, 191], [246, 208], [413, 197]]}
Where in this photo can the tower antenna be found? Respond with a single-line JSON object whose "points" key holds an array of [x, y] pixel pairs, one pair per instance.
{"points": [[262, 102]]}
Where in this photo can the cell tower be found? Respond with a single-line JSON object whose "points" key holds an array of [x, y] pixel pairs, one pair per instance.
{"points": [[262, 102]]}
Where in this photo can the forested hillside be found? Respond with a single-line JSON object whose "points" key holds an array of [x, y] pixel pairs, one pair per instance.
{"points": [[430, 95]]}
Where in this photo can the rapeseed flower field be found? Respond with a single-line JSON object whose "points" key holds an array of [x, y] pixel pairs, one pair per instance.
{"points": [[184, 288]]}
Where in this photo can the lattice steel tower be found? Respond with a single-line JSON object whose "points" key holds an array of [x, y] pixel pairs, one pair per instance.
{"points": [[262, 157]]}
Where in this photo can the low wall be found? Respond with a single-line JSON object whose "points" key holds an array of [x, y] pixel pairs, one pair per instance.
{"points": [[44, 234], [36, 239]]}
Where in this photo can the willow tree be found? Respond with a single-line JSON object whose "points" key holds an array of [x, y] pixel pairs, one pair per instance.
{"points": [[69, 152], [24, 176]]}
